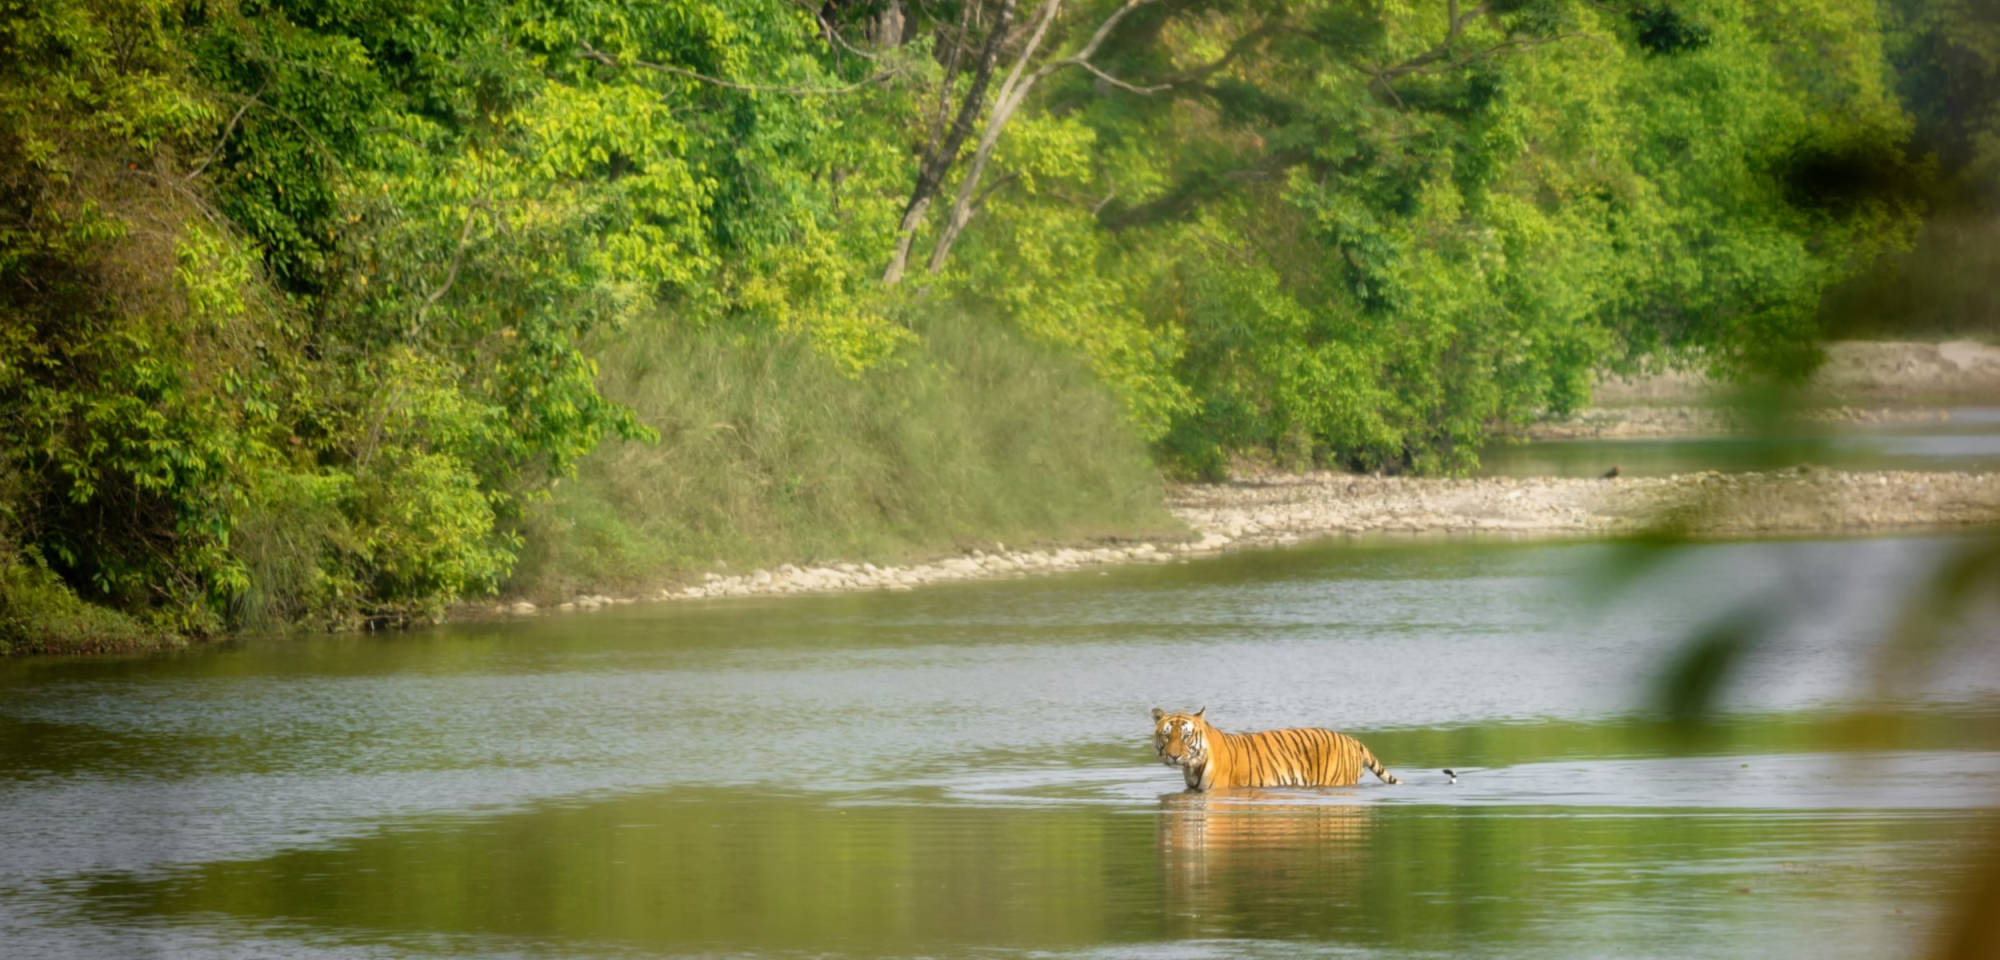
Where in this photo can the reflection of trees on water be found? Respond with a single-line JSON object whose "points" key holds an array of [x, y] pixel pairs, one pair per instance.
{"points": [[1251, 862]]}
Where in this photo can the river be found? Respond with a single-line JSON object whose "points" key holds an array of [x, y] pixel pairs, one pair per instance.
{"points": [[1961, 438], [965, 770]]}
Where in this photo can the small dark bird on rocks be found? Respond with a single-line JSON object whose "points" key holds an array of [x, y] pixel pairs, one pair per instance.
{"points": [[1453, 776], [1614, 471]]}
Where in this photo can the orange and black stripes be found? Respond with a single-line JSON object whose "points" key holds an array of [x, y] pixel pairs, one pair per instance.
{"points": [[1295, 757]]}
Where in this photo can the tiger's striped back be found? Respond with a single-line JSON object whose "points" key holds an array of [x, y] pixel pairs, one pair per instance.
{"points": [[1296, 757]]}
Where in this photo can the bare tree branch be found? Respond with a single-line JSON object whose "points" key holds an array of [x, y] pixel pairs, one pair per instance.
{"points": [[451, 273], [325, 152], [1518, 43], [1098, 207], [1103, 30], [1011, 89], [950, 75], [833, 36], [993, 188], [1387, 87], [1183, 198], [1120, 84], [1243, 44], [1454, 28], [223, 139]]}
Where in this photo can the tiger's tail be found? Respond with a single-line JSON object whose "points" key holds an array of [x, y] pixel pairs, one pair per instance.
{"points": [[1375, 766]]}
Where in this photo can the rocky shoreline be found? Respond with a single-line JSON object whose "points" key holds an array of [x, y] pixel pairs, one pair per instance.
{"points": [[838, 577], [1290, 509], [1709, 503]]}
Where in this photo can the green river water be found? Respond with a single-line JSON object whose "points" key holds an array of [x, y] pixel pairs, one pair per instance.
{"points": [[965, 771], [1960, 438]]}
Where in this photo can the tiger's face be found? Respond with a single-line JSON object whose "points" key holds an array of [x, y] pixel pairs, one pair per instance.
{"points": [[1181, 739]]}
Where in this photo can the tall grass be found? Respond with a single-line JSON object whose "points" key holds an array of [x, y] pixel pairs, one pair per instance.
{"points": [[768, 453]]}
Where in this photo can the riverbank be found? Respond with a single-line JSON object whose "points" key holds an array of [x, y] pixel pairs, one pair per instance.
{"points": [[1284, 509], [1695, 420], [1861, 382], [1275, 509], [1708, 503], [1280, 509]]}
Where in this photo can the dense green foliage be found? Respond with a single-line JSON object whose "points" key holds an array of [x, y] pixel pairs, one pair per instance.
{"points": [[42, 615], [309, 305], [1396, 230]]}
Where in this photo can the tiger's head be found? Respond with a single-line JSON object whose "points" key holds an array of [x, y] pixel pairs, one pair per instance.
{"points": [[1181, 739]]}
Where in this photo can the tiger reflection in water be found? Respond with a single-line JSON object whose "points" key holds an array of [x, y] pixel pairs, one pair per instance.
{"points": [[1251, 862]]}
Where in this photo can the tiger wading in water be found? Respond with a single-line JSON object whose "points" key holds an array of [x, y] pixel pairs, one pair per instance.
{"points": [[1298, 757]]}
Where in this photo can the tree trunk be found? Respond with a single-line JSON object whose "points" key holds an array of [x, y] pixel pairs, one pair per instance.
{"points": [[938, 161], [885, 29], [1012, 92]]}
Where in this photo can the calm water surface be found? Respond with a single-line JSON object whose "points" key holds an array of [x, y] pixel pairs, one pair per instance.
{"points": [[1968, 438], [965, 770]]}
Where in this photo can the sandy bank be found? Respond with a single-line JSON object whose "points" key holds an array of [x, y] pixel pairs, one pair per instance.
{"points": [[1803, 501], [1861, 382], [1861, 373], [1715, 421], [1290, 509]]}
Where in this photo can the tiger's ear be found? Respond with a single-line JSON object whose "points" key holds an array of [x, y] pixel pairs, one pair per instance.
{"points": [[1198, 713], [1157, 714]]}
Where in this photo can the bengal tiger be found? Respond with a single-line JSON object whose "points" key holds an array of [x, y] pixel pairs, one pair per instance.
{"points": [[1298, 757]]}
